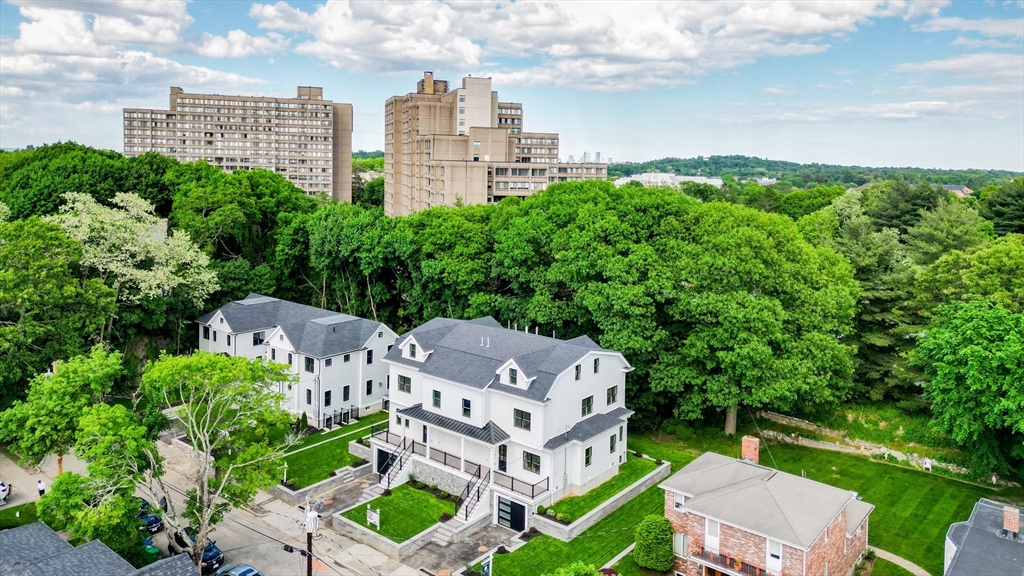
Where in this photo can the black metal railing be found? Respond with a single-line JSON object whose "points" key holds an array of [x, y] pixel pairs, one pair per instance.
{"points": [[468, 493], [388, 437], [419, 448], [520, 486], [734, 564], [398, 458], [450, 460]]}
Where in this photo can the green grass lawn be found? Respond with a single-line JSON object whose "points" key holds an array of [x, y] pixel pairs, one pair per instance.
{"points": [[886, 568], [597, 545], [628, 567], [312, 465], [341, 430], [913, 509], [574, 507], [404, 514], [8, 517]]}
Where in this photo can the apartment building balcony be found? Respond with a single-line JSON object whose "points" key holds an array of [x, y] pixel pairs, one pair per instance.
{"points": [[730, 565], [521, 486]]}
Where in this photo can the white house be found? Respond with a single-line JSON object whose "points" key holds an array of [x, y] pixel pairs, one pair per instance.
{"points": [[508, 419], [338, 358]]}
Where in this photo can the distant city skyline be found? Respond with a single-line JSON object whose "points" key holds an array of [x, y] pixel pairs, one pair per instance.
{"points": [[930, 84]]}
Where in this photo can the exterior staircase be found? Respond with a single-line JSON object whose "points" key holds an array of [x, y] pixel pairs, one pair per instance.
{"points": [[346, 475], [444, 532]]}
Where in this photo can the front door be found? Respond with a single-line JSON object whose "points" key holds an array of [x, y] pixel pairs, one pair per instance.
{"points": [[511, 514], [424, 433], [383, 461]]}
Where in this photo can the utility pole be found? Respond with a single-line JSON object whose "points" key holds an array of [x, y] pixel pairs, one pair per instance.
{"points": [[312, 522]]}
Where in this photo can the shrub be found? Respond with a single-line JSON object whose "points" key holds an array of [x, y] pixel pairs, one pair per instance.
{"points": [[654, 544], [412, 478], [684, 433], [433, 487], [669, 426], [575, 569], [563, 518], [387, 492], [550, 512], [541, 509], [445, 517], [870, 555], [501, 550]]}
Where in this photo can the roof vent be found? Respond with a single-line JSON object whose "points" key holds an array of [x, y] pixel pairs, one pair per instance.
{"points": [[481, 341], [488, 342]]}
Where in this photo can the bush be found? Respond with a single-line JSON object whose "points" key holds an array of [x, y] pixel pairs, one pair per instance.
{"points": [[541, 509], [684, 433], [669, 426], [501, 550], [563, 518], [654, 544], [549, 512], [870, 555], [575, 569], [445, 517], [387, 492]]}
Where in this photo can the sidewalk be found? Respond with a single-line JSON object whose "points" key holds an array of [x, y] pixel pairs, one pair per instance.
{"points": [[22, 482], [901, 562]]}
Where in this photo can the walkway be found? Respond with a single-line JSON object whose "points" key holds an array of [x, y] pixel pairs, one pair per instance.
{"points": [[901, 562], [23, 482]]}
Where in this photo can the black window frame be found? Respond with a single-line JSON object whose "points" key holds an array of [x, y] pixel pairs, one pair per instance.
{"points": [[588, 456], [531, 462], [467, 408], [310, 365], [521, 417], [435, 399], [404, 384], [587, 406], [612, 443], [346, 393], [369, 388], [327, 398], [612, 395]]}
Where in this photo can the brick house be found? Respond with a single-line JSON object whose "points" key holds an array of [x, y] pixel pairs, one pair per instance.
{"points": [[738, 518]]}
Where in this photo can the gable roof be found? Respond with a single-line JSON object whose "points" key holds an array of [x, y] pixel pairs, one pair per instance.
{"points": [[782, 506], [311, 331], [981, 547], [471, 351], [36, 550], [590, 427]]}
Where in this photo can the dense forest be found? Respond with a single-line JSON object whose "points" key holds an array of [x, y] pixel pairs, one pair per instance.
{"points": [[801, 175], [723, 299]]}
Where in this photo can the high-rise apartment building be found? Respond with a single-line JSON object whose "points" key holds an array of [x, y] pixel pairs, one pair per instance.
{"points": [[306, 139], [443, 146]]}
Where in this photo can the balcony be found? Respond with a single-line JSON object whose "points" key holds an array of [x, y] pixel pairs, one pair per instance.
{"points": [[388, 437], [732, 565], [520, 486]]}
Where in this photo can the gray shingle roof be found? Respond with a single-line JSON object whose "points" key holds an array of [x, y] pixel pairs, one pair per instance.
{"points": [[36, 550], [312, 331], [179, 565], [981, 547], [789, 508], [456, 354], [590, 427], [489, 433]]}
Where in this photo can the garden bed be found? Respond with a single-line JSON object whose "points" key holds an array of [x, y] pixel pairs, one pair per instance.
{"points": [[403, 514], [571, 509]]}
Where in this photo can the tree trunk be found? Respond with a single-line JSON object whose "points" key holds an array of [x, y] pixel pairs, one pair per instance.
{"points": [[730, 419], [60, 463]]}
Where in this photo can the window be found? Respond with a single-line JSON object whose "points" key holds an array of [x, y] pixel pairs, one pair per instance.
{"points": [[258, 338], [206, 332], [467, 408], [309, 396], [214, 335], [380, 334], [345, 394], [613, 394], [611, 443], [462, 110], [679, 543], [579, 369], [398, 420], [404, 384], [327, 398], [680, 500], [406, 422], [520, 419], [711, 528], [369, 357], [503, 458], [346, 358], [531, 462], [588, 455], [620, 433], [437, 398], [229, 339], [597, 365], [412, 350], [369, 387], [774, 550], [309, 364], [513, 375], [588, 405], [328, 362], [273, 353], [289, 358], [462, 97]]}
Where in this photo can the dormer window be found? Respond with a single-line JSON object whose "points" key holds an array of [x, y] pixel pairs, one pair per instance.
{"points": [[513, 376], [412, 350]]}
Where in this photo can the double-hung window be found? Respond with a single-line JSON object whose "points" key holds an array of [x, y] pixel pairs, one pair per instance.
{"points": [[588, 455], [531, 462], [437, 398], [612, 395], [520, 419], [466, 408], [369, 357], [327, 398], [579, 370], [611, 443], [309, 364], [597, 365], [309, 396], [369, 387], [206, 332], [345, 393], [404, 384], [513, 376], [412, 350], [588, 406], [258, 338]]}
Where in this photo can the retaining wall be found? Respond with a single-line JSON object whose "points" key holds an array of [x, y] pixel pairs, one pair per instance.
{"points": [[566, 533], [358, 450], [434, 475], [295, 497], [374, 540]]}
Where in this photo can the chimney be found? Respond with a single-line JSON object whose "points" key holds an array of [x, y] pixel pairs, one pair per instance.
{"points": [[1011, 519], [751, 449]]}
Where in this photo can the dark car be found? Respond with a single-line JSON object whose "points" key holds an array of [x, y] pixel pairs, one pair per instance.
{"points": [[151, 522], [213, 558], [238, 570]]}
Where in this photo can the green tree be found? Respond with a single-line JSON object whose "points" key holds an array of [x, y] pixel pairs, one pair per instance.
{"points": [[578, 568], [800, 203], [47, 312], [47, 421], [227, 406], [900, 205], [370, 194], [973, 356], [654, 544], [952, 225], [1005, 207], [993, 272]]}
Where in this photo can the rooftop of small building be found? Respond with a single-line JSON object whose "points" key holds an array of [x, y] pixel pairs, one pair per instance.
{"points": [[982, 545]]}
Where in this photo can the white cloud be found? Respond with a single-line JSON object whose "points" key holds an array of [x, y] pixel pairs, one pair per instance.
{"points": [[611, 46], [993, 66], [986, 26], [238, 44], [885, 111], [975, 43], [778, 91]]}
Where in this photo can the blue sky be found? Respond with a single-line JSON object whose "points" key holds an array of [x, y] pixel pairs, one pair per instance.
{"points": [[904, 83]]}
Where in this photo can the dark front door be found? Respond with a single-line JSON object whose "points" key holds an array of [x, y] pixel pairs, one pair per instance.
{"points": [[424, 433], [511, 514], [384, 459]]}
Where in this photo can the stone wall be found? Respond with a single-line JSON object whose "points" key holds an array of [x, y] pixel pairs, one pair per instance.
{"points": [[566, 533], [436, 475], [370, 538]]}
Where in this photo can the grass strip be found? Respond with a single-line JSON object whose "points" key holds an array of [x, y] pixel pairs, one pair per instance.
{"points": [[403, 514], [575, 507]]}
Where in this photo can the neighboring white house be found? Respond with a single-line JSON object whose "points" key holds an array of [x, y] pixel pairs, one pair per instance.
{"points": [[338, 358], [509, 419]]}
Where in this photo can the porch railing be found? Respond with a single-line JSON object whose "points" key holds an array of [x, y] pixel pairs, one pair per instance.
{"points": [[471, 493], [419, 448], [521, 486], [388, 437], [450, 460], [733, 564]]}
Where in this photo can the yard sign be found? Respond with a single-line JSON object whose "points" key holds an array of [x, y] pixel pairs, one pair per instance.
{"points": [[373, 516], [485, 567]]}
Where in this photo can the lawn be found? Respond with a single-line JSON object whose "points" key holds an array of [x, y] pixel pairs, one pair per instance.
{"points": [[404, 514], [9, 520], [913, 509], [886, 568], [341, 430], [312, 465], [597, 545], [628, 567], [574, 507]]}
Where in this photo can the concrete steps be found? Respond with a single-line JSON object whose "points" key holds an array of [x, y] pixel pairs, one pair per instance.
{"points": [[443, 534], [346, 475]]}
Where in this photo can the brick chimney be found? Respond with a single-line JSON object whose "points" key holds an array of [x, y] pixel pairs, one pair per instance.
{"points": [[1011, 519], [751, 449]]}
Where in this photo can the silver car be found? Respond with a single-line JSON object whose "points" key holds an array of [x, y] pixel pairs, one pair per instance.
{"points": [[238, 570]]}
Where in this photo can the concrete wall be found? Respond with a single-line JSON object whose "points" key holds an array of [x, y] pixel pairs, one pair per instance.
{"points": [[378, 542], [431, 475], [295, 497], [360, 451], [566, 533]]}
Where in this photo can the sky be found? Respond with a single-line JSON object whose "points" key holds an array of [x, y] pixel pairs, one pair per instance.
{"points": [[929, 83]]}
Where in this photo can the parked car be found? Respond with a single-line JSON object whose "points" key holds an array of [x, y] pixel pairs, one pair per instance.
{"points": [[151, 522], [213, 558], [238, 570]]}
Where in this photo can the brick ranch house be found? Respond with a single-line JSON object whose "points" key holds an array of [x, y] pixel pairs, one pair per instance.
{"points": [[738, 518]]}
